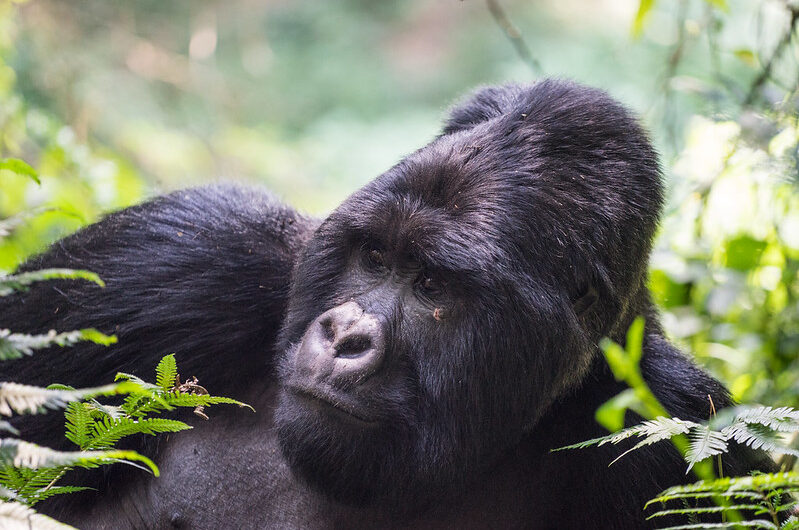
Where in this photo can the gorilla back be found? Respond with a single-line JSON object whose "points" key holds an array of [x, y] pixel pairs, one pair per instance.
{"points": [[438, 339]]}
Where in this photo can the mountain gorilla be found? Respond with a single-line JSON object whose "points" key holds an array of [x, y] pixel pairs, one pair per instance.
{"points": [[439, 335]]}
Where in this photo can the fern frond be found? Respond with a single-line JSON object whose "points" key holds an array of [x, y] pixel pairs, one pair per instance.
{"points": [[26, 399], [705, 442], [18, 453], [791, 523], [166, 372], [757, 436], [707, 509], [108, 432], [45, 493], [732, 486], [738, 524], [5, 426], [200, 400], [78, 424], [782, 419], [660, 428], [17, 345], [7, 495], [21, 281], [16, 516]]}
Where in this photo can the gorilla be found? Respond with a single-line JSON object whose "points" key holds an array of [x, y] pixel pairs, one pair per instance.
{"points": [[413, 358]]}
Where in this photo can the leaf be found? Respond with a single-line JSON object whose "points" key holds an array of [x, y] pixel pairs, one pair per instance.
{"points": [[611, 413], [19, 453], [706, 509], [21, 281], [45, 493], [5, 426], [16, 516], [721, 4], [108, 432], [635, 341], [26, 399], [705, 442], [757, 436], [17, 345], [658, 430], [743, 253], [644, 7], [166, 372], [735, 486], [20, 167], [731, 525], [783, 419], [652, 431], [204, 400], [748, 57]]}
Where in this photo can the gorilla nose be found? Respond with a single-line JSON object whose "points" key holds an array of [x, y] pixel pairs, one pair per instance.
{"points": [[342, 347]]}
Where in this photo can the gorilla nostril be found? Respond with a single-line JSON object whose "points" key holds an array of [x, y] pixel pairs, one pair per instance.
{"points": [[353, 346], [327, 329]]}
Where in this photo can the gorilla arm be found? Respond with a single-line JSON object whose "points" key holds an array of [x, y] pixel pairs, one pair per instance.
{"points": [[203, 273]]}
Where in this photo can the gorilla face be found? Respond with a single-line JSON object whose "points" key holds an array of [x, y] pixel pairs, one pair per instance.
{"points": [[443, 308]]}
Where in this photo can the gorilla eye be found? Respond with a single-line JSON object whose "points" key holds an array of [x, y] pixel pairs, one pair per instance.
{"points": [[376, 258], [430, 286]]}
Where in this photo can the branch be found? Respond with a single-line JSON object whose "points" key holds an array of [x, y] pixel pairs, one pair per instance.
{"points": [[514, 36], [766, 72]]}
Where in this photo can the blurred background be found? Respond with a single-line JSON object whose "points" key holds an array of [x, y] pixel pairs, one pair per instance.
{"points": [[113, 101]]}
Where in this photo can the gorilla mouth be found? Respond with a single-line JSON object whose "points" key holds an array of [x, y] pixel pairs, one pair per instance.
{"points": [[330, 402]]}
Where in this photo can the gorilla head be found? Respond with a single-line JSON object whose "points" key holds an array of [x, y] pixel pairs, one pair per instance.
{"points": [[443, 308]]}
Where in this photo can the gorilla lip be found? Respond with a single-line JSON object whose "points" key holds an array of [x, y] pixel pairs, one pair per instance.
{"points": [[329, 401]]}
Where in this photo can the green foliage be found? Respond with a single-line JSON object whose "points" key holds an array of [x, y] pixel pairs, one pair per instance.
{"points": [[26, 399], [30, 472], [19, 167], [19, 282], [17, 345], [758, 427], [766, 496]]}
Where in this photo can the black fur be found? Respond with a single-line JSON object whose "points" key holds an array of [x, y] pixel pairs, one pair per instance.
{"points": [[535, 209]]}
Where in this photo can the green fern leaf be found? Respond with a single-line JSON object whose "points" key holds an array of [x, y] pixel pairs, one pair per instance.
{"points": [[727, 526], [108, 432], [20, 282], [204, 400], [46, 493], [732, 486], [706, 509], [166, 372], [78, 424], [791, 523]]}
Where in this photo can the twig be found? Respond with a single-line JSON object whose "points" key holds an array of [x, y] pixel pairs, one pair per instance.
{"points": [[765, 73], [514, 36]]}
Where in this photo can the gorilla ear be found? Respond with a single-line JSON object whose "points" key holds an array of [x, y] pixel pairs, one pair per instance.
{"points": [[481, 106], [585, 301]]}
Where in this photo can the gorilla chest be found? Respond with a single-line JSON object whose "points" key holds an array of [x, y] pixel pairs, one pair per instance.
{"points": [[230, 473]]}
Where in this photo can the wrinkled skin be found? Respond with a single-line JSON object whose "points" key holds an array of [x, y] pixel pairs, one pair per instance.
{"points": [[438, 337]]}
